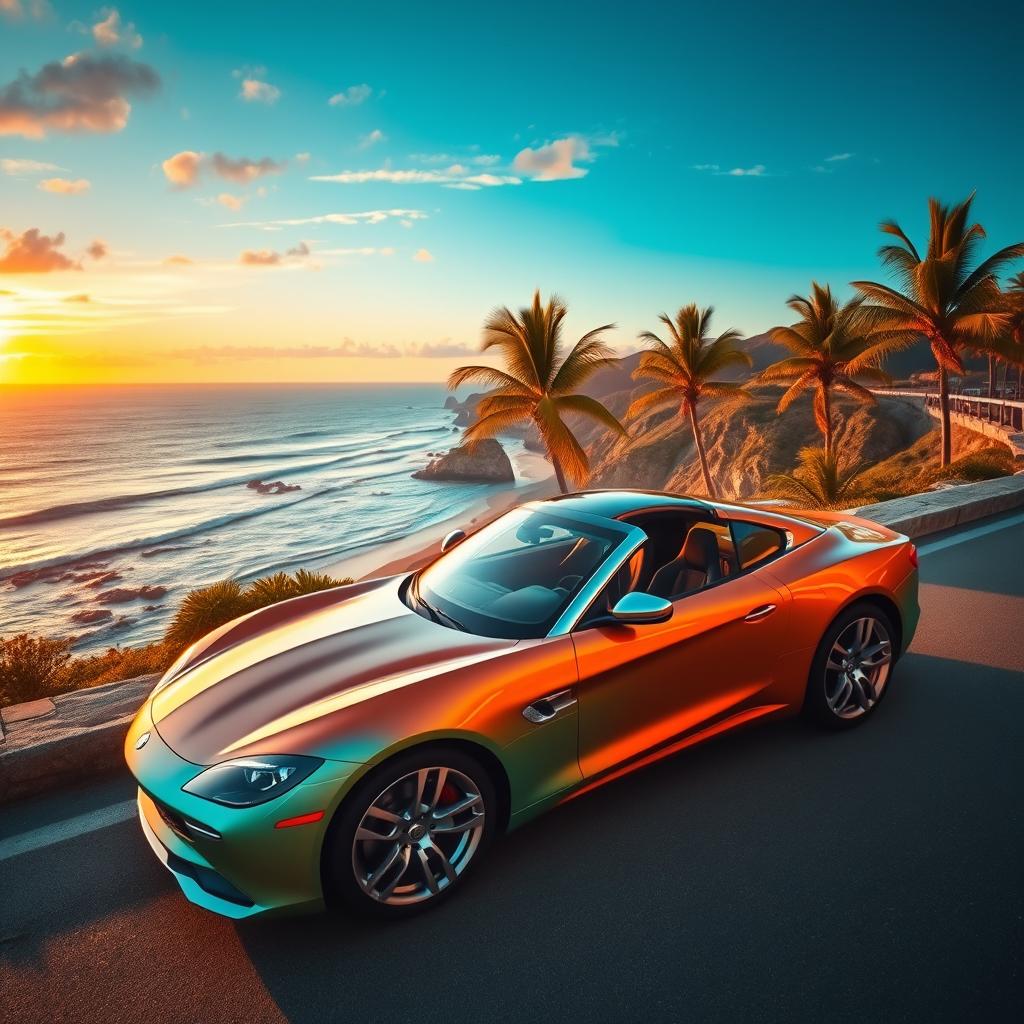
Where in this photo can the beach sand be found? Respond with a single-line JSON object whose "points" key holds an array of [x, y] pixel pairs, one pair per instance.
{"points": [[420, 547]]}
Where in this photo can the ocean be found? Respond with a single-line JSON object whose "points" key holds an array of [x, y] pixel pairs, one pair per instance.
{"points": [[149, 483]]}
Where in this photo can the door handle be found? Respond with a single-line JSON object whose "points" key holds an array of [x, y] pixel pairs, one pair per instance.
{"points": [[761, 612], [545, 708]]}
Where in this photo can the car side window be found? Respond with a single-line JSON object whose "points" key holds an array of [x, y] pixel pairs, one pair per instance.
{"points": [[755, 543]]}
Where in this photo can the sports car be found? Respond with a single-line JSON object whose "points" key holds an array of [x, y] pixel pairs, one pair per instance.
{"points": [[361, 747]]}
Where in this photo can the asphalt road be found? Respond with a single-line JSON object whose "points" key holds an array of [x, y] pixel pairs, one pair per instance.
{"points": [[780, 874]]}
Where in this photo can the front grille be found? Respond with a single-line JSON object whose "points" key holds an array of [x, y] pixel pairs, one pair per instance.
{"points": [[184, 828]]}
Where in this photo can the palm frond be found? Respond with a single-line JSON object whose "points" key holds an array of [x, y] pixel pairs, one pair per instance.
{"points": [[591, 408]]}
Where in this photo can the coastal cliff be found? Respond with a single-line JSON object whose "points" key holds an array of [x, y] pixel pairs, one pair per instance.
{"points": [[745, 445]]}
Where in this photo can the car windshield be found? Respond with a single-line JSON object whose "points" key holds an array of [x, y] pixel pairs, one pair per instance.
{"points": [[516, 576]]}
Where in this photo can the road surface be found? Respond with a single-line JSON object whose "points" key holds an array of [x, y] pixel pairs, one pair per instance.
{"points": [[779, 874]]}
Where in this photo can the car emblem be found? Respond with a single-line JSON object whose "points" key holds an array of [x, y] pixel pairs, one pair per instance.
{"points": [[142, 741]]}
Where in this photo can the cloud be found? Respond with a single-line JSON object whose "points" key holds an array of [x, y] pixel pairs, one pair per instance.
{"points": [[244, 170], [302, 158], [757, 171], [259, 258], [80, 297], [270, 258], [346, 349], [255, 91], [423, 256], [555, 161], [352, 96], [347, 219], [454, 176], [98, 250], [184, 169], [65, 186], [16, 9], [837, 157], [475, 182], [445, 350], [372, 139], [362, 251], [14, 166], [82, 93], [33, 253], [177, 260], [110, 31], [230, 201], [479, 160]]}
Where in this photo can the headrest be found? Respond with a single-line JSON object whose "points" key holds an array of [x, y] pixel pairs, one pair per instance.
{"points": [[700, 549]]}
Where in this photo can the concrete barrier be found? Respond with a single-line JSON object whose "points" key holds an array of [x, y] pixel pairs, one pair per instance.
{"points": [[921, 514]]}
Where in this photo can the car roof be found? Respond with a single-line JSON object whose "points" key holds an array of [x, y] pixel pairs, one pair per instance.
{"points": [[616, 504], [623, 504]]}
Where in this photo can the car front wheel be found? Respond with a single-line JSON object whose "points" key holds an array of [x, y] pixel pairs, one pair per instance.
{"points": [[852, 668], [408, 834]]}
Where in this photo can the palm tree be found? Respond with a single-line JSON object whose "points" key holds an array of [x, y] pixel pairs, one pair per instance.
{"points": [[823, 480], [942, 298], [538, 384], [834, 346], [1014, 296], [684, 367]]}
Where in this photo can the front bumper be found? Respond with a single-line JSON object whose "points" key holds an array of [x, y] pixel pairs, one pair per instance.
{"points": [[229, 860]]}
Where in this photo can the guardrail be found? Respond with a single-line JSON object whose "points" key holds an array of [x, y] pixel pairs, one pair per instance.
{"points": [[1004, 412]]}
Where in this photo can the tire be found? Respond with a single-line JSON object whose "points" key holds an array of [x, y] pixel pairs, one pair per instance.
{"points": [[839, 698], [430, 855]]}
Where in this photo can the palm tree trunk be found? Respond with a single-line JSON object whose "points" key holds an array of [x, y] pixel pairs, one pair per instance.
{"points": [[559, 475], [991, 376], [701, 454], [826, 401], [946, 454]]}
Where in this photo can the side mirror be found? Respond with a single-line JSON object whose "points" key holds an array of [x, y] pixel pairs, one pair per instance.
{"points": [[451, 539], [638, 608]]}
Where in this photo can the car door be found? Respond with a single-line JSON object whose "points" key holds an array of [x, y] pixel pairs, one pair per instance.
{"points": [[640, 686]]}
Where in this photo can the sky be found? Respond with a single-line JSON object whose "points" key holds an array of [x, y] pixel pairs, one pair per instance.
{"points": [[341, 192]]}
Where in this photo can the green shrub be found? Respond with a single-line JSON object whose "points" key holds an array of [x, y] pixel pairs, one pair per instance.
{"points": [[115, 664], [205, 609], [270, 590], [30, 666], [984, 465]]}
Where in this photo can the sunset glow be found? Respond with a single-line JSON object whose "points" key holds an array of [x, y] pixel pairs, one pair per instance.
{"points": [[189, 194]]}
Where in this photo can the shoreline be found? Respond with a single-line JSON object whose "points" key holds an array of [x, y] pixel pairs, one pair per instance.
{"points": [[420, 546]]}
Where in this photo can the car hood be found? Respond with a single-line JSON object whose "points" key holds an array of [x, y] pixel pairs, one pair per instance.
{"points": [[303, 660]]}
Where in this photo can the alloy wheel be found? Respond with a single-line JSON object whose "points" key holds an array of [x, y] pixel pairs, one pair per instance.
{"points": [[858, 668], [418, 836]]}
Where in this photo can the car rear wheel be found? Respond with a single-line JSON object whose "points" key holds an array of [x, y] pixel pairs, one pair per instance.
{"points": [[852, 668], [409, 833]]}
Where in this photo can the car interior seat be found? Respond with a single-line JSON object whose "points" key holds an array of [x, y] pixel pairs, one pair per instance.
{"points": [[697, 565]]}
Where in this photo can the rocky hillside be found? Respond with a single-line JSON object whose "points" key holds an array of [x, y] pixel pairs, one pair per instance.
{"points": [[744, 446]]}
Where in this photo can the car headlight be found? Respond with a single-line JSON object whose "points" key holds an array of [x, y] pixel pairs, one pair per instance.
{"points": [[248, 781]]}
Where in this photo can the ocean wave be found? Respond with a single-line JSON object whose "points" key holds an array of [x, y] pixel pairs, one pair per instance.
{"points": [[153, 540], [118, 501]]}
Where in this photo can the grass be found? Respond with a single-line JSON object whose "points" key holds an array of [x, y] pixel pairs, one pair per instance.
{"points": [[913, 470], [32, 667]]}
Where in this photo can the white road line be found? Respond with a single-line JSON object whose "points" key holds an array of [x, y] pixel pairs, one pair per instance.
{"points": [[48, 835], [971, 534]]}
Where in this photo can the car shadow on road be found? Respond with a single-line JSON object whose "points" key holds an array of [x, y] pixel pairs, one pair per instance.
{"points": [[779, 873]]}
